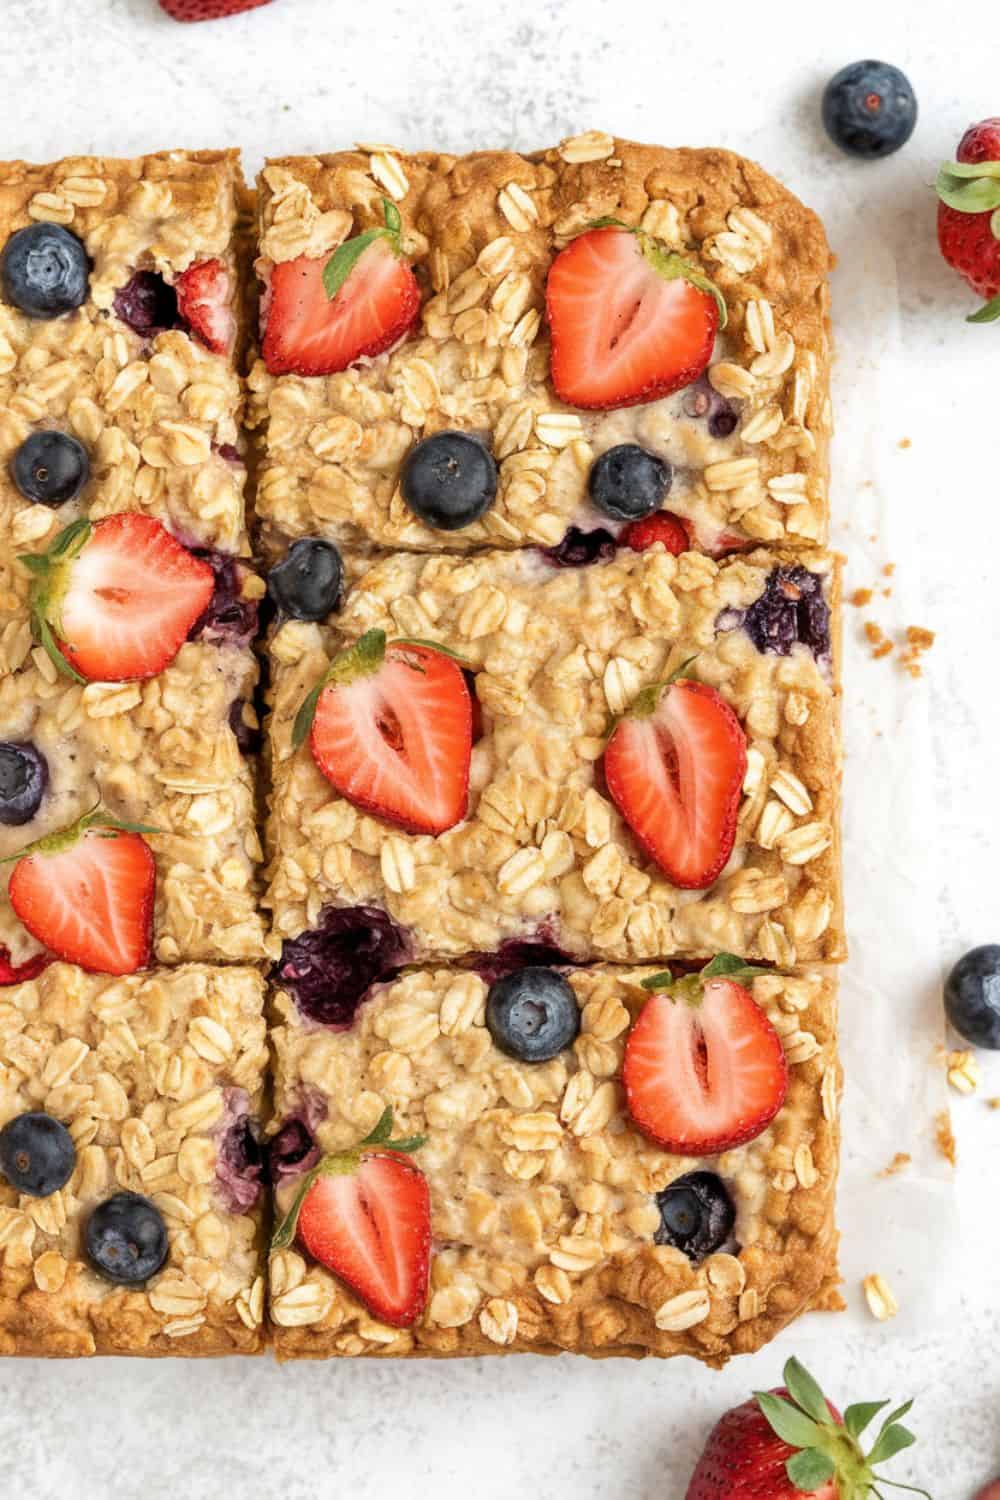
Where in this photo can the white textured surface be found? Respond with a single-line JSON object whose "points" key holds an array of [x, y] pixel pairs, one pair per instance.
{"points": [[115, 76]]}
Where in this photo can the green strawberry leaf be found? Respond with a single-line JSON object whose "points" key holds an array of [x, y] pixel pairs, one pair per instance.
{"points": [[975, 194], [393, 219], [971, 168], [71, 540], [859, 1416], [306, 714], [360, 660], [48, 643], [382, 1131], [35, 562], [408, 1144], [672, 266], [681, 671], [345, 258], [416, 640], [661, 981], [809, 1469], [284, 1234], [988, 313], [802, 1388], [892, 1441], [728, 966], [791, 1424], [608, 221]]}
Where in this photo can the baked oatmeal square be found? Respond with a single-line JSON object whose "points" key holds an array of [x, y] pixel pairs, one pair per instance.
{"points": [[145, 1165], [740, 439], [164, 753], [554, 1223], [541, 846], [122, 324]]}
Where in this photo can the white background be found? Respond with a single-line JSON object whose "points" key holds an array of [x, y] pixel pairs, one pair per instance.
{"points": [[116, 76]]}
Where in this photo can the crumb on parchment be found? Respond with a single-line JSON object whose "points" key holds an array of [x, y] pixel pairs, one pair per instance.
{"points": [[899, 1163], [944, 1136]]}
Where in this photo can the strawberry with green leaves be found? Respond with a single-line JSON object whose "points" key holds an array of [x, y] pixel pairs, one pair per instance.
{"points": [[365, 1214], [704, 1070], [792, 1442], [323, 314], [114, 600], [630, 319], [86, 892], [390, 727], [969, 214]]}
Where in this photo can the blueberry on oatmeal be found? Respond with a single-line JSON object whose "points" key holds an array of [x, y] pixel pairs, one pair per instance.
{"points": [[50, 468], [697, 1215], [449, 480], [578, 549], [37, 1154], [231, 616], [329, 970], [148, 304], [628, 482], [44, 271], [791, 610], [126, 1239], [307, 583], [532, 1014], [24, 776]]}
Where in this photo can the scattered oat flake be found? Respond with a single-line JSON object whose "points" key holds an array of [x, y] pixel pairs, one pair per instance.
{"points": [[880, 1299], [963, 1072], [860, 598], [888, 570], [944, 1136], [905, 443], [993, 1103], [899, 1163]]}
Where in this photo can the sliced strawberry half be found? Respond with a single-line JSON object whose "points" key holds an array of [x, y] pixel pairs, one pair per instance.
{"points": [[366, 1215], [115, 599], [662, 526], [21, 973], [87, 893], [704, 1069], [203, 302], [630, 320], [674, 766], [390, 727], [323, 314]]}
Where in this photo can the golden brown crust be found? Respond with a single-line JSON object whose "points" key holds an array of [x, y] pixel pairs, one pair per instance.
{"points": [[147, 1073], [482, 231], [561, 1258]]}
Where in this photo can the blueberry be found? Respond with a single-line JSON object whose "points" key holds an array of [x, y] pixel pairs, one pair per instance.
{"points": [[126, 1239], [869, 109], [629, 482], [791, 610], [580, 548], [44, 271], [50, 468], [307, 583], [231, 618], [239, 1165], [244, 723], [972, 996], [696, 1215], [37, 1155], [722, 423], [330, 969], [449, 480], [24, 776], [291, 1151], [539, 951], [532, 1014], [148, 304]]}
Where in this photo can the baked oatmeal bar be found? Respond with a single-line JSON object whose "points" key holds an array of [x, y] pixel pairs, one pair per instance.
{"points": [[543, 856], [546, 1230], [747, 442], [158, 1078], [166, 753], [144, 372]]}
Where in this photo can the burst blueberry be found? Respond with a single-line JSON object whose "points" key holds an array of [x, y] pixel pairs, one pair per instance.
{"points": [[972, 996], [628, 482], [449, 480], [578, 549], [50, 468], [790, 611], [869, 109], [24, 777], [330, 969], [532, 1014], [37, 1154], [147, 304], [126, 1239], [231, 617], [697, 1215], [44, 271], [307, 583]]}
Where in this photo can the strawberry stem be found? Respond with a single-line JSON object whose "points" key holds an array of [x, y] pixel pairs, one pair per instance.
{"points": [[360, 660], [341, 1164], [990, 311], [98, 819], [689, 987], [51, 577]]}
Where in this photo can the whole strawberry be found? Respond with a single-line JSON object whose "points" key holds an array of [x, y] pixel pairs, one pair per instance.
{"points": [[791, 1442], [969, 214], [207, 10]]}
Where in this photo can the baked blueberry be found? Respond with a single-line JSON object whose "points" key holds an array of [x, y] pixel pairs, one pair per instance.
{"points": [[50, 468], [330, 969], [696, 1215], [44, 270], [24, 775], [37, 1154], [449, 480], [307, 583], [869, 109], [972, 996], [291, 1151], [126, 1239], [532, 1014], [580, 548], [629, 482], [791, 610], [231, 617], [148, 304]]}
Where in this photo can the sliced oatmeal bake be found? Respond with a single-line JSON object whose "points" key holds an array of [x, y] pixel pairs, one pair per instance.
{"points": [[509, 275]]}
